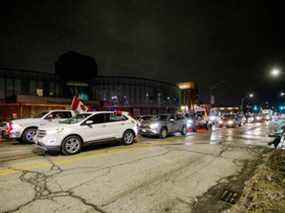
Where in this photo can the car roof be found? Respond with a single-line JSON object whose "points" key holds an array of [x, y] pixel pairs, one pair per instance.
{"points": [[99, 112], [62, 110]]}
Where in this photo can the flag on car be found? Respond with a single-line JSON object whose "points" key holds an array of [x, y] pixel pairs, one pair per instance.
{"points": [[77, 105]]}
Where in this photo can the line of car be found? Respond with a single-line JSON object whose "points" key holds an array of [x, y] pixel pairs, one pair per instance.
{"points": [[67, 132]]}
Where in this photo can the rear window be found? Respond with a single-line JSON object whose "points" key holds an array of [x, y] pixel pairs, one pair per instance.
{"points": [[117, 117]]}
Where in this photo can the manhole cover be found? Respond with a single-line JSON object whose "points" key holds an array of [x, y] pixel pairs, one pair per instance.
{"points": [[230, 196]]}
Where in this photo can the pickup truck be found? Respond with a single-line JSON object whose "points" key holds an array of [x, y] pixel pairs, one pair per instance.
{"points": [[24, 130]]}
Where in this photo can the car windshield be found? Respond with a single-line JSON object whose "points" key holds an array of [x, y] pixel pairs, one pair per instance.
{"points": [[161, 117], [147, 117], [40, 115], [229, 116], [76, 119]]}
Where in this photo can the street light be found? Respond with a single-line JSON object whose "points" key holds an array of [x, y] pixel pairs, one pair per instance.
{"points": [[275, 72], [250, 95]]}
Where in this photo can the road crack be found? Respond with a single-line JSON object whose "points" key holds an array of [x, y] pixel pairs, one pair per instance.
{"points": [[39, 181]]}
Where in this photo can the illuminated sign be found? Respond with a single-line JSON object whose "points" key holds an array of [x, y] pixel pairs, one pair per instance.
{"points": [[186, 85]]}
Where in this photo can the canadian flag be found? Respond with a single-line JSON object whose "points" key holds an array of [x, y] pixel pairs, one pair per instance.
{"points": [[77, 105]]}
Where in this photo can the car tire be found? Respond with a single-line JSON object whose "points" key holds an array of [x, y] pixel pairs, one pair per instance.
{"points": [[28, 135], [163, 133], [184, 131], [71, 145], [128, 137]]}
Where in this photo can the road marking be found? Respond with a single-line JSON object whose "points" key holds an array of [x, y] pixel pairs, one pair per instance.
{"points": [[75, 158]]}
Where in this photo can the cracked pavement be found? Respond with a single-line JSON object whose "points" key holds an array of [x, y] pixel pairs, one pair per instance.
{"points": [[152, 175]]}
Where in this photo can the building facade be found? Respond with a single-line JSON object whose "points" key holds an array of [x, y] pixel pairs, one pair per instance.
{"points": [[136, 95], [188, 95]]}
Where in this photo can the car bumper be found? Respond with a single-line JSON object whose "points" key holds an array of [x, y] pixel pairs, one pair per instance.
{"points": [[13, 135], [149, 132], [45, 148]]}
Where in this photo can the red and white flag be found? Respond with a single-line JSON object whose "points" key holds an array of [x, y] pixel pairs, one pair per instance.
{"points": [[77, 105]]}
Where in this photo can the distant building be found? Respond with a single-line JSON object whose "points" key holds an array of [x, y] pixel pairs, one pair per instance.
{"points": [[136, 95], [188, 95]]}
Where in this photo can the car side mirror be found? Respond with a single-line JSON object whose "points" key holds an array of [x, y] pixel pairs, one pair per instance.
{"points": [[89, 122]]}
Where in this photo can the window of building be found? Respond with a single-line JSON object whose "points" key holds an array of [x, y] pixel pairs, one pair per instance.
{"points": [[33, 87], [2, 88], [25, 86], [10, 87]]}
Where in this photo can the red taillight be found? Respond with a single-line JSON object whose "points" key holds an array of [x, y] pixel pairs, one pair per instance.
{"points": [[9, 128]]}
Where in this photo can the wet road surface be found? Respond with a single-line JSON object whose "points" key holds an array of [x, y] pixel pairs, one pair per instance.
{"points": [[152, 175]]}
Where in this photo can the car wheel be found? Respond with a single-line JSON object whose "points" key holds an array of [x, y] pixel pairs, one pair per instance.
{"points": [[184, 131], [128, 137], [163, 133], [71, 145], [28, 135]]}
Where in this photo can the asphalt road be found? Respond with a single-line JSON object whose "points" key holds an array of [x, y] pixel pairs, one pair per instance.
{"points": [[153, 175]]}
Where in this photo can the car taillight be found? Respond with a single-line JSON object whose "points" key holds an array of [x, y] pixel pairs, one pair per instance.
{"points": [[9, 128]]}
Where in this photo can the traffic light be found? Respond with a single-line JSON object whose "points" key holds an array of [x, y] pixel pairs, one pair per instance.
{"points": [[255, 108]]}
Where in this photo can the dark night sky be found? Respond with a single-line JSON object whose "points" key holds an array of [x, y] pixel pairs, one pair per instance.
{"points": [[206, 41]]}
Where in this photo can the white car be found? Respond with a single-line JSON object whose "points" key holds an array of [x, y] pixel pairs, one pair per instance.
{"points": [[25, 129], [71, 135]]}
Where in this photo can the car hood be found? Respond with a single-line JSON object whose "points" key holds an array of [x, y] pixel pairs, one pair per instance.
{"points": [[148, 122], [52, 126], [33, 121], [28, 121]]}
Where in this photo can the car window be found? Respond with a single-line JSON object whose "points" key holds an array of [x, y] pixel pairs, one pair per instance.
{"points": [[161, 117], [60, 115], [115, 117], [40, 115], [100, 118], [180, 117], [76, 119]]}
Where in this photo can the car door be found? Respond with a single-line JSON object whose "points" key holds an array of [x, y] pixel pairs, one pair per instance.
{"points": [[118, 123], [172, 123], [179, 122], [98, 130]]}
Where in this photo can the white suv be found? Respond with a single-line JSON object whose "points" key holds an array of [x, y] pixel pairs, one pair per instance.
{"points": [[71, 135], [25, 129]]}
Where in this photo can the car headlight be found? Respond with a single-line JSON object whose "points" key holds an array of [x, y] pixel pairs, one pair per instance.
{"points": [[220, 122], [154, 125], [230, 122], [190, 122]]}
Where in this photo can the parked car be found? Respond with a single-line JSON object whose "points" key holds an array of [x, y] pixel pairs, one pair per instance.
{"points": [[230, 121], [191, 122], [3, 127], [70, 135], [164, 124], [25, 129], [142, 118]]}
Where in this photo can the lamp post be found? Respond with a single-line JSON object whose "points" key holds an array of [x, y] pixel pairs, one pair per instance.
{"points": [[212, 88], [250, 95]]}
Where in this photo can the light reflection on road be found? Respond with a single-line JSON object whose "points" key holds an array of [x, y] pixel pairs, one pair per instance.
{"points": [[254, 134]]}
